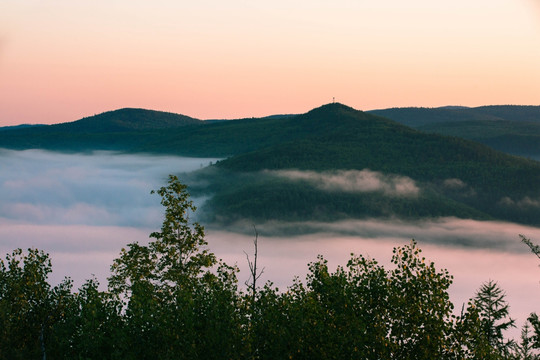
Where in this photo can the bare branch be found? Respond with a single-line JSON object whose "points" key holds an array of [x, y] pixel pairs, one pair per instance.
{"points": [[535, 249], [254, 275]]}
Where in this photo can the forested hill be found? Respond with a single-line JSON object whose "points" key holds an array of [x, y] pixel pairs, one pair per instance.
{"points": [[342, 152], [130, 119], [508, 128], [332, 162], [335, 136], [121, 129], [511, 129], [419, 116]]}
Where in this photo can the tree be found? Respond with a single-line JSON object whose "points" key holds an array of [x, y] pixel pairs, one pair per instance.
{"points": [[361, 311], [29, 306], [175, 300], [254, 273], [419, 306], [343, 314], [92, 326], [524, 350], [250, 304], [535, 249], [180, 242], [172, 299], [494, 320], [176, 256], [533, 318]]}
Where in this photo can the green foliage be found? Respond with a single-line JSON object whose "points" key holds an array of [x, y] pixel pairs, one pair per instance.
{"points": [[336, 137], [533, 319], [421, 311], [298, 201], [174, 305], [360, 312], [343, 314], [507, 128], [524, 350], [418, 117], [329, 138], [91, 325], [493, 313], [175, 257], [179, 242], [29, 306], [171, 299]]}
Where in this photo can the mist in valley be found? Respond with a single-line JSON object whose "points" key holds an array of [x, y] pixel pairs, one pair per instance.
{"points": [[83, 208]]}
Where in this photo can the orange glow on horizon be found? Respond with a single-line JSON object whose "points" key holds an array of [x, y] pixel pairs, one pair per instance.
{"points": [[60, 60]]}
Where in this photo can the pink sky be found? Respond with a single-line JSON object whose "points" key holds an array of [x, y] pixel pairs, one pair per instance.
{"points": [[61, 60]]}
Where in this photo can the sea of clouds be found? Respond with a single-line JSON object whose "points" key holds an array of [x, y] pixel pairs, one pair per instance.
{"points": [[83, 208]]}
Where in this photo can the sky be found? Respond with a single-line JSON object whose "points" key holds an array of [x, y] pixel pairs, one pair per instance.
{"points": [[82, 209], [61, 60]]}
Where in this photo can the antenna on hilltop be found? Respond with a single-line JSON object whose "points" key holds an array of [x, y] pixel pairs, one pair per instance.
{"points": [[333, 100]]}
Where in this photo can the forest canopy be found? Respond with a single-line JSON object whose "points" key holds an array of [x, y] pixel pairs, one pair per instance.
{"points": [[173, 299]]}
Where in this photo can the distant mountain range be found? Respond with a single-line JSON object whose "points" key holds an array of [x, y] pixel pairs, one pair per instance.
{"points": [[512, 129], [333, 162], [509, 128], [18, 127]]}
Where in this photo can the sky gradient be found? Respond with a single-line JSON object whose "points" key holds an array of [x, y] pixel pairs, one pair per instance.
{"points": [[61, 60]]}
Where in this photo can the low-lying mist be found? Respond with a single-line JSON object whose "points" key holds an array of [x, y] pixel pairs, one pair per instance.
{"points": [[354, 181], [82, 209]]}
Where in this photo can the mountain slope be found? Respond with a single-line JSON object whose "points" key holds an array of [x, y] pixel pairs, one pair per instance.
{"points": [[416, 117], [508, 128], [121, 130], [18, 127], [130, 119], [338, 137], [333, 162], [452, 177]]}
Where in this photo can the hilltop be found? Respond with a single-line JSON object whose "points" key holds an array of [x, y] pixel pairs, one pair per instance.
{"points": [[348, 163], [508, 128], [130, 119], [113, 130]]}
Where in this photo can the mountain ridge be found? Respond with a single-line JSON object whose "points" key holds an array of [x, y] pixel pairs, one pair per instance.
{"points": [[459, 177], [334, 142], [131, 119], [513, 129]]}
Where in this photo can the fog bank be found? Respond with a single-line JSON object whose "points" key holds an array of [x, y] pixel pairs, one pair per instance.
{"points": [[82, 209], [353, 181]]}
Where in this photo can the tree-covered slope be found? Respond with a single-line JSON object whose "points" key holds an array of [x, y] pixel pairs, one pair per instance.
{"points": [[512, 129], [18, 127], [449, 176], [508, 128], [130, 119], [330, 163], [417, 116], [121, 129], [173, 299], [519, 138], [137, 130], [226, 138]]}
